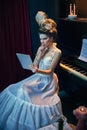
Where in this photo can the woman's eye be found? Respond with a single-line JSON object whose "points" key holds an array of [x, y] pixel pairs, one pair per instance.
{"points": [[45, 39]]}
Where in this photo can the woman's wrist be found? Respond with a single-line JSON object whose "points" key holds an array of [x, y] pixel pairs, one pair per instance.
{"points": [[37, 69]]}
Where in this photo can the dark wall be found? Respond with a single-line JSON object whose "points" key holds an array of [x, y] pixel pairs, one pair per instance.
{"points": [[81, 8]]}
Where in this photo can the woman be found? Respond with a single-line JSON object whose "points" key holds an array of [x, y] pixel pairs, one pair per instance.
{"points": [[33, 103]]}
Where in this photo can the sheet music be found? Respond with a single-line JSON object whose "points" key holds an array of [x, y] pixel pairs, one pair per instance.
{"points": [[25, 60], [83, 53]]}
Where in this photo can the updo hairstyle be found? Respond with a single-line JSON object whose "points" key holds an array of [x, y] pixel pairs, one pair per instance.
{"points": [[49, 27]]}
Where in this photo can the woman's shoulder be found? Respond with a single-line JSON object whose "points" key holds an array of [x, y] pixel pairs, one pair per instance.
{"points": [[57, 50]]}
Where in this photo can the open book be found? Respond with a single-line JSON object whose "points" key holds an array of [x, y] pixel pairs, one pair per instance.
{"points": [[83, 53], [25, 60]]}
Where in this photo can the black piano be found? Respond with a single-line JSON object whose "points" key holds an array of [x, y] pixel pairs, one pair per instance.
{"points": [[72, 71]]}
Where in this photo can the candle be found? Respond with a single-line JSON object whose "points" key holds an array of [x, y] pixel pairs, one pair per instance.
{"points": [[80, 112], [70, 9], [81, 115], [82, 109], [74, 11]]}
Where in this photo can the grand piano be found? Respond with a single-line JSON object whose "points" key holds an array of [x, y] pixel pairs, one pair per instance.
{"points": [[72, 71]]}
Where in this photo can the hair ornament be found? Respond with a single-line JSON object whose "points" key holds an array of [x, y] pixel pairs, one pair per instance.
{"points": [[48, 26]]}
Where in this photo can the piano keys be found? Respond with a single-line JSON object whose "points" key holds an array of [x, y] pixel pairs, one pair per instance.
{"points": [[75, 66]]}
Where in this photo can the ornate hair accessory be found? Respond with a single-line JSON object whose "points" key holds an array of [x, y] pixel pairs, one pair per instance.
{"points": [[48, 26], [40, 17]]}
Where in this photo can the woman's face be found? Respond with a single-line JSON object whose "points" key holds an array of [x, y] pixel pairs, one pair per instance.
{"points": [[45, 40]]}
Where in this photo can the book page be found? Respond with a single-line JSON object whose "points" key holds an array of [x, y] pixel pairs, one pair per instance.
{"points": [[83, 53], [25, 60]]}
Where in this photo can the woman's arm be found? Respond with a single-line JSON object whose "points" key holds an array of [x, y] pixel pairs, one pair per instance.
{"points": [[40, 53]]}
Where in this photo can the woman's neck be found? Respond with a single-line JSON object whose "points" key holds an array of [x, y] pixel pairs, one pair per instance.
{"points": [[52, 46]]}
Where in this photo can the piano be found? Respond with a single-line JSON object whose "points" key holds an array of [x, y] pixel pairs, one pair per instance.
{"points": [[72, 71]]}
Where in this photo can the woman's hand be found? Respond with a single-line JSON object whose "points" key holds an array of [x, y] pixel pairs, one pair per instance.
{"points": [[43, 50], [33, 68]]}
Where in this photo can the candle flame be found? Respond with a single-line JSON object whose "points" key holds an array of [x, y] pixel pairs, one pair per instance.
{"points": [[82, 109]]}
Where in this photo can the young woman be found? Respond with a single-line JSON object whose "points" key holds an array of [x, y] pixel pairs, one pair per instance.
{"points": [[33, 102]]}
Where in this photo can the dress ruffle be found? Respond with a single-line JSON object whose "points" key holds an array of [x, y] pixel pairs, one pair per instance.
{"points": [[22, 115]]}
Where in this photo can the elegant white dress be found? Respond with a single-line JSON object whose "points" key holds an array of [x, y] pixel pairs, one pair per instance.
{"points": [[31, 103]]}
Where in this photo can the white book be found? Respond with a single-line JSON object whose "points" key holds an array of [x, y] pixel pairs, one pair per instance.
{"points": [[25, 60], [83, 53]]}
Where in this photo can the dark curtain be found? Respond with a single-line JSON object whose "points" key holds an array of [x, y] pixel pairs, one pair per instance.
{"points": [[14, 37]]}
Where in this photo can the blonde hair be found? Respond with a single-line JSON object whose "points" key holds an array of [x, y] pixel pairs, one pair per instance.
{"points": [[49, 27]]}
